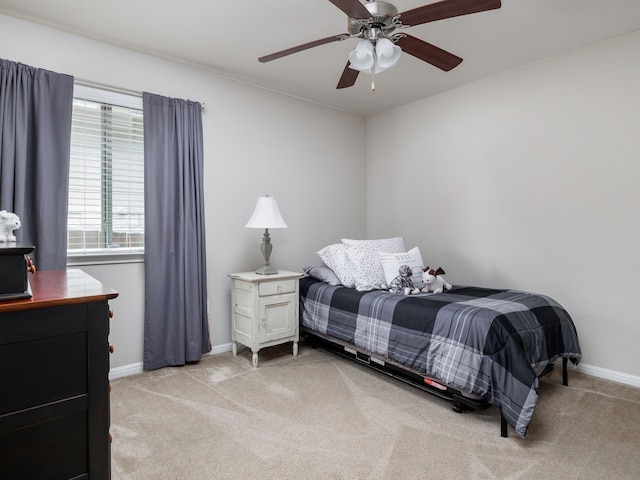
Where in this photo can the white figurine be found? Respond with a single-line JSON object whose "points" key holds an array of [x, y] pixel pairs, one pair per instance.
{"points": [[8, 223]]}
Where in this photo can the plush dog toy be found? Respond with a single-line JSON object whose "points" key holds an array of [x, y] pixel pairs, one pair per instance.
{"points": [[433, 280], [403, 282], [8, 223]]}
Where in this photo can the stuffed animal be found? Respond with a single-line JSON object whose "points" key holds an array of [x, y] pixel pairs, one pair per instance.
{"points": [[8, 223], [433, 280], [403, 282]]}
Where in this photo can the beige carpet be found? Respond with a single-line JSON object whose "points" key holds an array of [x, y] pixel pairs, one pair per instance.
{"points": [[319, 416]]}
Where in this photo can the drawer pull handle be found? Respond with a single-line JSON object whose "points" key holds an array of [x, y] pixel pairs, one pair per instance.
{"points": [[31, 268]]}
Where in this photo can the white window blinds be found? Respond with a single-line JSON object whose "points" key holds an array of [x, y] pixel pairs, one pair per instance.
{"points": [[106, 176]]}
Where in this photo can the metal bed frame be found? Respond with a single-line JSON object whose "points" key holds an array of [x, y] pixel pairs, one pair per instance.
{"points": [[460, 402]]}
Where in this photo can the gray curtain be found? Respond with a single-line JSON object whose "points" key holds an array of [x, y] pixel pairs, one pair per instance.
{"points": [[176, 329], [35, 137]]}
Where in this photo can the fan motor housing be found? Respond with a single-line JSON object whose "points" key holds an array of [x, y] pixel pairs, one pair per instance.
{"points": [[382, 14]]}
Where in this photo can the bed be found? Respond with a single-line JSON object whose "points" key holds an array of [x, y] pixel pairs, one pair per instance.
{"points": [[474, 346]]}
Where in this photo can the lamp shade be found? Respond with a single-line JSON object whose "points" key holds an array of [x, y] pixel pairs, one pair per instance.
{"points": [[266, 214]]}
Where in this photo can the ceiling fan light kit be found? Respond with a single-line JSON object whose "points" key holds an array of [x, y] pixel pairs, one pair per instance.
{"points": [[380, 48], [374, 55]]}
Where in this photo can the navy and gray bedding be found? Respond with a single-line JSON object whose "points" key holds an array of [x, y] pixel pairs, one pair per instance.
{"points": [[492, 343]]}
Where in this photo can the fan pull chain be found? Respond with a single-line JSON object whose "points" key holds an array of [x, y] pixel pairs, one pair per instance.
{"points": [[373, 70]]}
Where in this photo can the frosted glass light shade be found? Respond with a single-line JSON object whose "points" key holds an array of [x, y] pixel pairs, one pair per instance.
{"points": [[266, 214], [361, 57], [387, 53]]}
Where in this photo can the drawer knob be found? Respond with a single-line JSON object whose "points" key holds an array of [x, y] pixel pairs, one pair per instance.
{"points": [[111, 348], [110, 313]]}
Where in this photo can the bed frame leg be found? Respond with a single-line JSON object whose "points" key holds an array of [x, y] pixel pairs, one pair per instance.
{"points": [[503, 426], [565, 375]]}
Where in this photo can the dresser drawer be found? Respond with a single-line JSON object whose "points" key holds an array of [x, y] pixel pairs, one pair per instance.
{"points": [[43, 371], [57, 448], [276, 288]]}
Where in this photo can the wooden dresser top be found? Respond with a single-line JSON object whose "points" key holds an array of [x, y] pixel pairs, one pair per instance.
{"points": [[60, 287]]}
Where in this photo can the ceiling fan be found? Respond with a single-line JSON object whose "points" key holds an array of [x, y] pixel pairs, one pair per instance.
{"points": [[376, 22]]}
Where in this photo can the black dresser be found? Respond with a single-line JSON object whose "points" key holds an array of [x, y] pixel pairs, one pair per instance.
{"points": [[54, 379]]}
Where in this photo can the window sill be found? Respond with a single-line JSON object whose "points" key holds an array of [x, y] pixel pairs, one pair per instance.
{"points": [[104, 258]]}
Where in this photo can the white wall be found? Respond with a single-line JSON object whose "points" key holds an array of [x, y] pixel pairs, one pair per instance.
{"points": [[527, 180], [256, 142]]}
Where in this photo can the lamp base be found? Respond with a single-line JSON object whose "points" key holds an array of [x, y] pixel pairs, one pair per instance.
{"points": [[266, 270]]}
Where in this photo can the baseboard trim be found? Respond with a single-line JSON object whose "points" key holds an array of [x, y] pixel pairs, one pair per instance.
{"points": [[606, 374], [226, 347], [598, 372], [135, 368], [125, 370]]}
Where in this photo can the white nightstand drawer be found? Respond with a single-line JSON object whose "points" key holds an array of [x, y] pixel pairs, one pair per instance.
{"points": [[242, 285], [276, 288]]}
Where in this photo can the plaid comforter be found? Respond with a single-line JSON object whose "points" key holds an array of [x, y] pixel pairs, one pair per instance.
{"points": [[493, 343]]}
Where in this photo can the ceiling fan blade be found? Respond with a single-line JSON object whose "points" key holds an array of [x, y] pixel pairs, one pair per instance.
{"points": [[348, 78], [353, 8], [304, 46], [429, 53], [446, 9]]}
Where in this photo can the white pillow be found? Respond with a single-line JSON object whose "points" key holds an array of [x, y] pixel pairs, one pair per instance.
{"points": [[362, 258], [391, 263], [335, 257]]}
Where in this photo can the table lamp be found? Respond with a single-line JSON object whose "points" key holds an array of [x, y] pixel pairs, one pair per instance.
{"points": [[266, 215]]}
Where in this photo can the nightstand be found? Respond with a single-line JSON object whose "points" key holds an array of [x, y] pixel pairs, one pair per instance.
{"points": [[264, 311]]}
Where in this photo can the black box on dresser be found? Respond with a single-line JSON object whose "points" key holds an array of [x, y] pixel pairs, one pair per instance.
{"points": [[13, 270]]}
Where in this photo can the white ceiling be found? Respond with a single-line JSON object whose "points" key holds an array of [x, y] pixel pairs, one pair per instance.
{"points": [[227, 37]]}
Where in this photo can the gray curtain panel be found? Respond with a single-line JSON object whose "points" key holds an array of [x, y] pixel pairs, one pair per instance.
{"points": [[35, 139], [176, 329]]}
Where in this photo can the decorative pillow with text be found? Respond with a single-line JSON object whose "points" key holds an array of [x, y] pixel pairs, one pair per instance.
{"points": [[391, 263]]}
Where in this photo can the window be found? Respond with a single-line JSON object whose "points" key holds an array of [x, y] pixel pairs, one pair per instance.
{"points": [[106, 174]]}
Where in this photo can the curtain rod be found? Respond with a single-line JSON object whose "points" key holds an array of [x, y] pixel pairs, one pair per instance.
{"points": [[112, 88]]}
